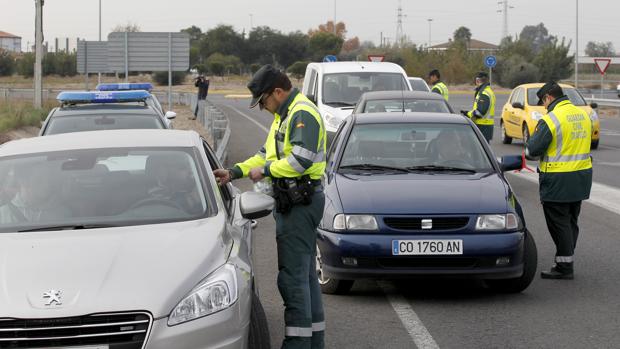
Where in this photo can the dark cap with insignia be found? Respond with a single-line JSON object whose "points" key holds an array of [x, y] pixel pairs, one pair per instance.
{"points": [[550, 88], [261, 82], [482, 75]]}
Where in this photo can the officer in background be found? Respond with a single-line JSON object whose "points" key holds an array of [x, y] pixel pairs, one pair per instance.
{"points": [[562, 142], [483, 112], [294, 157], [438, 86]]}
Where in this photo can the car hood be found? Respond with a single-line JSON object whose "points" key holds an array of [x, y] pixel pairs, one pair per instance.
{"points": [[113, 269], [422, 194], [340, 113]]}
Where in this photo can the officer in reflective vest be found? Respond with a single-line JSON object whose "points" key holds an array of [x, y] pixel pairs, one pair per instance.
{"points": [[438, 86], [562, 142], [483, 112], [294, 157]]}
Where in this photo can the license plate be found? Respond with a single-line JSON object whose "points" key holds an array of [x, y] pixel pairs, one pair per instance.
{"points": [[426, 247]]}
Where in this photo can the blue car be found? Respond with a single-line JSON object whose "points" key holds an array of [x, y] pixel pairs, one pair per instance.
{"points": [[420, 194]]}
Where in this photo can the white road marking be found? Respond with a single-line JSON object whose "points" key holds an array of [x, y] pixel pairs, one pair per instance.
{"points": [[249, 118], [412, 323], [602, 195]]}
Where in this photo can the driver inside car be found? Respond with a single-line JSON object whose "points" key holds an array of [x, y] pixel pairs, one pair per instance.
{"points": [[450, 150]]}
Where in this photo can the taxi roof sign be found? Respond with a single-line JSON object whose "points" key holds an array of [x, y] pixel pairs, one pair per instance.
{"points": [[88, 97], [147, 86]]}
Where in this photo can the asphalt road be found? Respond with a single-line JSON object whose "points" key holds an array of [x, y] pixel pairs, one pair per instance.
{"points": [[582, 313]]}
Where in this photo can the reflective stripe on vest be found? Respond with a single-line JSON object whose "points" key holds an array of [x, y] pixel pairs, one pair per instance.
{"points": [[443, 90], [569, 150], [489, 117]]}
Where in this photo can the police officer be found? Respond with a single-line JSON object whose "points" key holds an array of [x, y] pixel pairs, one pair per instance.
{"points": [[562, 142], [438, 86], [483, 112], [294, 157]]}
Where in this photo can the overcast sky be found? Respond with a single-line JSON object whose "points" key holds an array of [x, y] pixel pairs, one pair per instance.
{"points": [[599, 19]]}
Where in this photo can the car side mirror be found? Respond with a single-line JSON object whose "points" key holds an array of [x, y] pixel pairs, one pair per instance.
{"points": [[511, 163], [518, 105], [594, 105], [170, 115], [255, 205]]}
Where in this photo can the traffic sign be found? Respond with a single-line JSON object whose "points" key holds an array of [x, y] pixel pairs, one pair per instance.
{"points": [[490, 61], [602, 64], [330, 58], [376, 58]]}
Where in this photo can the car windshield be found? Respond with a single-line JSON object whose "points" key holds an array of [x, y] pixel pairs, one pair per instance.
{"points": [[418, 147], [418, 85], [408, 105], [91, 122], [344, 89], [574, 96], [100, 187]]}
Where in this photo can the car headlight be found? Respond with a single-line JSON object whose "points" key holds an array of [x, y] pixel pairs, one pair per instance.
{"points": [[332, 121], [536, 115], [355, 222], [497, 222], [593, 115], [217, 292]]}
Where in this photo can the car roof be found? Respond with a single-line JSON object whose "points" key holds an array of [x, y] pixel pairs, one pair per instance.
{"points": [[541, 84], [408, 117], [102, 139], [374, 95], [414, 78], [356, 67], [98, 109]]}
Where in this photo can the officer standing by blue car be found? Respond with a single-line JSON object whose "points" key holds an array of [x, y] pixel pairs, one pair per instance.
{"points": [[293, 156]]}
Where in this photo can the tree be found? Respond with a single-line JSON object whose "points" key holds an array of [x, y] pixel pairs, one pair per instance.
{"points": [[129, 27], [25, 65], [537, 36], [462, 35], [195, 33], [352, 44], [554, 62], [7, 63], [600, 49], [341, 29], [222, 39], [323, 43], [297, 69], [219, 64]]}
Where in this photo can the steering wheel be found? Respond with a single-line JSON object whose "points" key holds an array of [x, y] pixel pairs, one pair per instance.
{"points": [[156, 201]]}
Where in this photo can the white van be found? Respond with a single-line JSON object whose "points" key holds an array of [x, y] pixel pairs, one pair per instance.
{"points": [[335, 87]]}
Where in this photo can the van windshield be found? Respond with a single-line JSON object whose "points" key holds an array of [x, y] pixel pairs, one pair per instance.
{"points": [[345, 89]]}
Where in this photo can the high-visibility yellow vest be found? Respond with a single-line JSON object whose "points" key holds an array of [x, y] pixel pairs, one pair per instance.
{"points": [[569, 150], [443, 89], [489, 117]]}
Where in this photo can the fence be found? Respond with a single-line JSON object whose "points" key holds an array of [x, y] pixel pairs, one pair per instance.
{"points": [[209, 115]]}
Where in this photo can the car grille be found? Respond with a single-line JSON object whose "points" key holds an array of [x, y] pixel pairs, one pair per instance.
{"points": [[118, 330], [415, 223]]}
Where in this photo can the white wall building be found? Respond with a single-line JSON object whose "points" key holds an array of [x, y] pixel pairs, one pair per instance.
{"points": [[10, 42]]}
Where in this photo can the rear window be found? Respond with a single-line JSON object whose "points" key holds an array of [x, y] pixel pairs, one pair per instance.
{"points": [[418, 85], [574, 96], [345, 89], [410, 105], [80, 123]]}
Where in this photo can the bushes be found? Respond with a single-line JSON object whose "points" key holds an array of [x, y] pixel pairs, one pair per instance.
{"points": [[21, 113], [161, 78], [7, 63], [297, 69], [62, 64]]}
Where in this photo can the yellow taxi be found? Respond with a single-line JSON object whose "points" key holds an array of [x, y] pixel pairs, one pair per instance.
{"points": [[521, 113]]}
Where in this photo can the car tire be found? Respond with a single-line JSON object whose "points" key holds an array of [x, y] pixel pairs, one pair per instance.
{"points": [[526, 133], [330, 285], [259, 329], [530, 263], [505, 138], [594, 145]]}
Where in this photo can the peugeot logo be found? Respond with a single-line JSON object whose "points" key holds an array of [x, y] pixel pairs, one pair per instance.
{"points": [[52, 297]]}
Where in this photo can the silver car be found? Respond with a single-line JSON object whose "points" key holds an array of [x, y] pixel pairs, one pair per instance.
{"points": [[123, 239]]}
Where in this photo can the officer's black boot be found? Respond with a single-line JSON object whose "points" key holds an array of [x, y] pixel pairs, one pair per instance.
{"points": [[563, 271]]}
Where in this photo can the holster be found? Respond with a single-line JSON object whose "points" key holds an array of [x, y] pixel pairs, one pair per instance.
{"points": [[289, 192]]}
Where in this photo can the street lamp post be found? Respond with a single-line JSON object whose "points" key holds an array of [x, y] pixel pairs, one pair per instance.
{"points": [[430, 20], [335, 32], [576, 43], [38, 35], [99, 74]]}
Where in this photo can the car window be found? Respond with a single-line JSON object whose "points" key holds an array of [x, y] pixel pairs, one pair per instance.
{"points": [[346, 88], [415, 144], [572, 94], [225, 190], [409, 105], [418, 85], [116, 187], [334, 143], [93, 122], [519, 98]]}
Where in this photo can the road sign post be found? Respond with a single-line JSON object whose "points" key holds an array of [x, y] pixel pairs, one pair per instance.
{"points": [[376, 58], [490, 62], [602, 64]]}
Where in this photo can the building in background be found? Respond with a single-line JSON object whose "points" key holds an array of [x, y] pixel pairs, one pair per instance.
{"points": [[10, 42]]}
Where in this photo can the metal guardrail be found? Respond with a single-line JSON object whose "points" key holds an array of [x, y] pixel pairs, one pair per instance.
{"points": [[605, 102], [211, 117]]}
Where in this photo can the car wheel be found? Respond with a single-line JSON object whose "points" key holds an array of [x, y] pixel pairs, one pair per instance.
{"points": [[526, 133], [259, 330], [530, 262], [594, 144], [505, 138], [330, 285]]}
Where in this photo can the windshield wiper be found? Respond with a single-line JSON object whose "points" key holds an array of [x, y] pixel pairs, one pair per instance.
{"points": [[341, 104], [435, 168], [68, 227], [374, 167]]}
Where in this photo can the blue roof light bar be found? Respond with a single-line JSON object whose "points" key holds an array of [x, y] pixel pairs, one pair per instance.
{"points": [[88, 97], [147, 86]]}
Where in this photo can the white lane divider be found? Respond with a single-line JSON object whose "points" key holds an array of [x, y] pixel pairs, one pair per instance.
{"points": [[602, 195], [412, 323], [249, 118]]}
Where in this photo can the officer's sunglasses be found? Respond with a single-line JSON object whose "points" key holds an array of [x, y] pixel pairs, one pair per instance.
{"points": [[261, 101]]}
